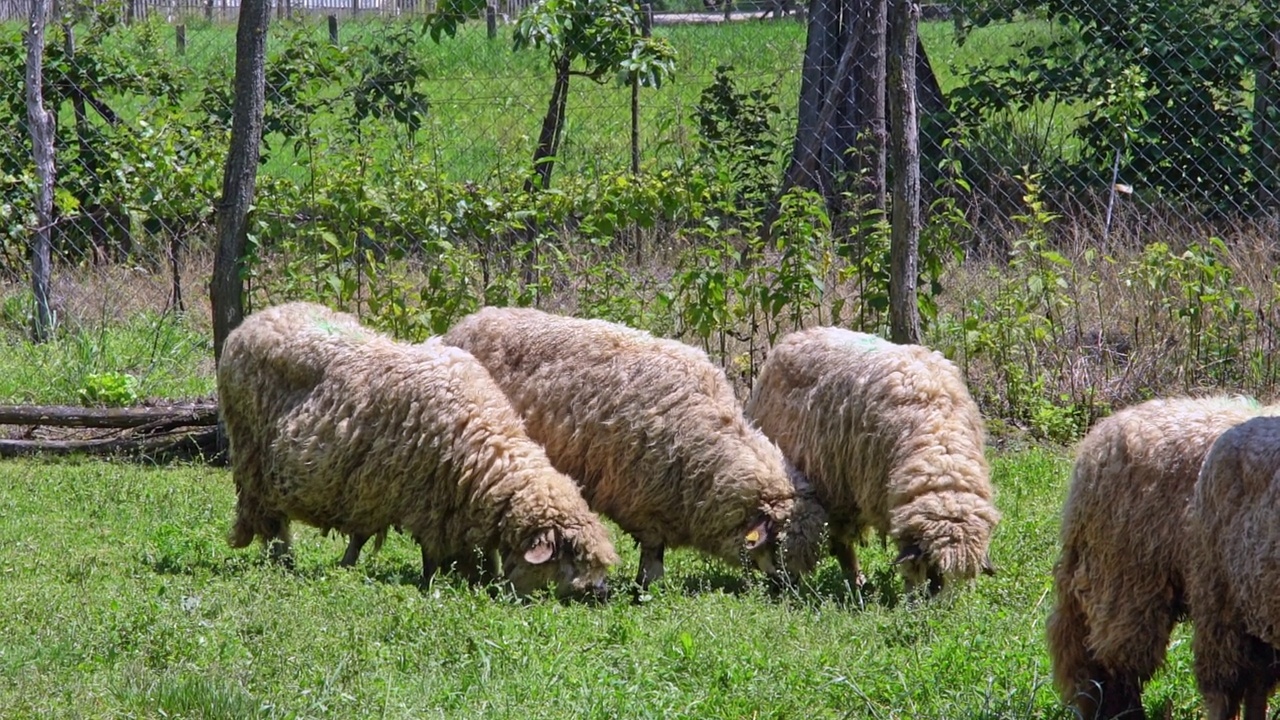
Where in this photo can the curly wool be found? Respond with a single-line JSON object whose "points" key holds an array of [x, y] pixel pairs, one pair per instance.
{"points": [[1120, 580], [649, 428], [1235, 548], [891, 441], [342, 428]]}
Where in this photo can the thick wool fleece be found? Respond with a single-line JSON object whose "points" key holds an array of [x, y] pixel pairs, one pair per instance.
{"points": [[1121, 578], [1234, 589], [891, 441], [342, 428], [649, 428]]}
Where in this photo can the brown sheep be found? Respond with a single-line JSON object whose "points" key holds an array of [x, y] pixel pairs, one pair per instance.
{"points": [[1121, 578], [1235, 590], [343, 428], [891, 441], [652, 432]]}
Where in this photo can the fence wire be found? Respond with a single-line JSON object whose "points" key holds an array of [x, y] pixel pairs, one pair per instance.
{"points": [[408, 171]]}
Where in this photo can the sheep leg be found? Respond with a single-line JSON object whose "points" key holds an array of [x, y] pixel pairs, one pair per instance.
{"points": [[651, 567], [1117, 697], [848, 559], [1228, 666], [935, 581], [279, 547], [429, 567], [1224, 705], [476, 566], [480, 569], [1255, 703], [354, 546], [1260, 679]]}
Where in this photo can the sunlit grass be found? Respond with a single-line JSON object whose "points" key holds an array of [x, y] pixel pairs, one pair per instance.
{"points": [[120, 598]]}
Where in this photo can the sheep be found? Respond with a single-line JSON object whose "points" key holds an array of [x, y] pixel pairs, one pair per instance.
{"points": [[891, 440], [652, 432], [343, 428], [1235, 549], [1120, 581]]}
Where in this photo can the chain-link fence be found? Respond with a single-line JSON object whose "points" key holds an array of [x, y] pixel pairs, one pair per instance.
{"points": [[617, 159]]}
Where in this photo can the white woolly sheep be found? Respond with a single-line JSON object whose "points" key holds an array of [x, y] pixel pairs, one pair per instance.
{"points": [[1121, 578], [343, 428], [1234, 591], [650, 429], [891, 440]]}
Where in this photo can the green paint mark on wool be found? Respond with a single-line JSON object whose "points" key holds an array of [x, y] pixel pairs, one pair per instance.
{"points": [[868, 342], [330, 328]]}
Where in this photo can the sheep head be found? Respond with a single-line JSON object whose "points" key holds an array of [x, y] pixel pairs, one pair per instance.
{"points": [[559, 557]]}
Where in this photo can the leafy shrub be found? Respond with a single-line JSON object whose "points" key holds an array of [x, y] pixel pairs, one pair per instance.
{"points": [[737, 137], [112, 389]]}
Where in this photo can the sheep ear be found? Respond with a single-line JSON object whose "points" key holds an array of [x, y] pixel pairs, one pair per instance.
{"points": [[542, 549], [908, 553], [988, 568], [759, 534]]}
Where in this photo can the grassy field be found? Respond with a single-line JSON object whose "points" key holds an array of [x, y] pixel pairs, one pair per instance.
{"points": [[119, 599], [170, 356], [487, 100]]}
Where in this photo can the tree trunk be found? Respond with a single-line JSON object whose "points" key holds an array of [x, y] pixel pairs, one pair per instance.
{"points": [[544, 156], [163, 417], [544, 159], [872, 137], [1266, 117], [841, 141], [935, 121], [904, 312], [77, 98], [40, 125], [226, 289], [826, 60]]}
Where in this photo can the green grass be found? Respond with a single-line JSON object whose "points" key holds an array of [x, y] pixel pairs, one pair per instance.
{"points": [[488, 101], [169, 357], [119, 598]]}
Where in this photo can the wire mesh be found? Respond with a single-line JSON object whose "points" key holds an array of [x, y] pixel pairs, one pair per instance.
{"points": [[402, 171]]}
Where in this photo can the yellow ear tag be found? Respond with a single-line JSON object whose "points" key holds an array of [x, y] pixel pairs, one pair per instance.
{"points": [[753, 536]]}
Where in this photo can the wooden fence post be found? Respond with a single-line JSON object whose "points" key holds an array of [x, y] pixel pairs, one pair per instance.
{"points": [[333, 29], [180, 33], [355, 7], [40, 126], [491, 21]]}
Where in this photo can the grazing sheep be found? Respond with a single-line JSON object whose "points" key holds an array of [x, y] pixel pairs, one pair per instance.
{"points": [[651, 431], [891, 440], [343, 428], [1234, 592], [1120, 580]]}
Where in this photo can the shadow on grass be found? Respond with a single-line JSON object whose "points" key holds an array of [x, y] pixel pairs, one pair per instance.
{"points": [[883, 588], [164, 563], [729, 582]]}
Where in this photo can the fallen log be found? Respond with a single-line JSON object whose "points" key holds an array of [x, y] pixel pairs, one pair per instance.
{"points": [[189, 445], [159, 417]]}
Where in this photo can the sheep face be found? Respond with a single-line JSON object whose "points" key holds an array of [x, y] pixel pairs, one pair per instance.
{"points": [[551, 559], [920, 569], [759, 546], [804, 540]]}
